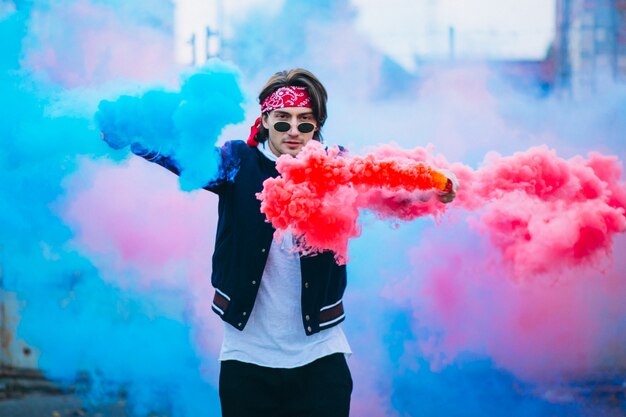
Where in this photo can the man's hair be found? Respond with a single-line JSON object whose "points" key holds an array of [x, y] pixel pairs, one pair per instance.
{"points": [[297, 77]]}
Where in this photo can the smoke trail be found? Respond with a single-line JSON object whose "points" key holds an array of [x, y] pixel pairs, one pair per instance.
{"points": [[548, 215], [318, 194], [184, 125], [123, 238], [91, 316], [460, 304], [542, 213]]}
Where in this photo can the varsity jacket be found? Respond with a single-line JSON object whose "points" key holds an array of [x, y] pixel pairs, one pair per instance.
{"points": [[243, 242]]}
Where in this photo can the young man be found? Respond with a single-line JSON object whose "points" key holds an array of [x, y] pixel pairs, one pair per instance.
{"points": [[283, 353]]}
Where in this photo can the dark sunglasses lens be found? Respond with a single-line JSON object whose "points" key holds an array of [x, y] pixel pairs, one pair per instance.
{"points": [[282, 126], [306, 127]]}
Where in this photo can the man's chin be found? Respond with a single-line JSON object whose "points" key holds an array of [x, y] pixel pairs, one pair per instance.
{"points": [[292, 151]]}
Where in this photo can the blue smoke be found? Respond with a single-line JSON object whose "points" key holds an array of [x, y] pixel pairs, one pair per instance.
{"points": [[184, 125], [106, 341], [471, 387]]}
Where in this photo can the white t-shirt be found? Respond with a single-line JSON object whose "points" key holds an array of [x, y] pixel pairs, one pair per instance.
{"points": [[274, 335]]}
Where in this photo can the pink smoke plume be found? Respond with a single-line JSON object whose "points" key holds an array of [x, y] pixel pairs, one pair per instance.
{"points": [[546, 214], [319, 193], [541, 212], [544, 330], [143, 233]]}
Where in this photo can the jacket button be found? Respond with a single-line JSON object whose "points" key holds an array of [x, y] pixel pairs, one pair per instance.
{"points": [[244, 313], [253, 282], [307, 318], [306, 285], [263, 250], [309, 329], [239, 324]]}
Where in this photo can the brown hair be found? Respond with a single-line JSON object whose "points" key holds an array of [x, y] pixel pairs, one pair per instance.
{"points": [[297, 77]]}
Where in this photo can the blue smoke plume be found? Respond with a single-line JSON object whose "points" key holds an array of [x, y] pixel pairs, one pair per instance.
{"points": [[87, 333], [183, 125]]}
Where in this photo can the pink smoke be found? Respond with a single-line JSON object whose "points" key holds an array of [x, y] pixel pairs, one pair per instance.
{"points": [[543, 214], [532, 282], [319, 193], [82, 43], [541, 330], [143, 233], [546, 214]]}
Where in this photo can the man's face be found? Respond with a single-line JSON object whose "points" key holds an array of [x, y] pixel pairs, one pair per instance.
{"points": [[292, 141]]}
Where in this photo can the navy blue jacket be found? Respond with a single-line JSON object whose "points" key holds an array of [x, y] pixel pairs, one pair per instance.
{"points": [[243, 241]]}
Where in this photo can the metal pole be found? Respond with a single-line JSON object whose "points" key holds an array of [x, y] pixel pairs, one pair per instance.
{"points": [[451, 43], [192, 42]]}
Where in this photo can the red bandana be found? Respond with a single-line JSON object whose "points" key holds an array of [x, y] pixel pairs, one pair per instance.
{"points": [[291, 96], [286, 97]]}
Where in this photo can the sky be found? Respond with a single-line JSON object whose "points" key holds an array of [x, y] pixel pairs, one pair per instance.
{"points": [[505, 29], [514, 29]]}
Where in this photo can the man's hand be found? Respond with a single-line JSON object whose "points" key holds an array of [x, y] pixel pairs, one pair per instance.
{"points": [[446, 196], [113, 140]]}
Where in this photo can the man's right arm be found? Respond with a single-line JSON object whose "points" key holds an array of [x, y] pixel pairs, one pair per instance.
{"points": [[228, 163], [155, 157]]}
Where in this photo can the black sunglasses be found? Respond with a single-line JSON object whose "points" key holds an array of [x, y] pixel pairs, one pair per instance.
{"points": [[302, 127]]}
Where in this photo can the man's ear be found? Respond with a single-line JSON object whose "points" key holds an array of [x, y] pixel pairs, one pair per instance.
{"points": [[264, 121]]}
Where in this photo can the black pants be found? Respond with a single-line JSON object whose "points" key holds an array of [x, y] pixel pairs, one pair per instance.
{"points": [[321, 388]]}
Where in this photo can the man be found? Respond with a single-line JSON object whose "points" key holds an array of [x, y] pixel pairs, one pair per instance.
{"points": [[285, 356], [284, 351]]}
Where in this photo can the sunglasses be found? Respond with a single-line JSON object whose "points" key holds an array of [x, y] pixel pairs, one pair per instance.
{"points": [[302, 127]]}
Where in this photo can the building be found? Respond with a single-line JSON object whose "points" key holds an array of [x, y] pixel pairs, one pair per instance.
{"points": [[14, 353], [199, 27], [590, 45]]}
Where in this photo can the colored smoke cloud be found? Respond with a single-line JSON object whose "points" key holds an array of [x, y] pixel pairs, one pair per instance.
{"points": [[182, 125], [479, 312], [97, 316], [542, 213], [545, 214], [318, 194], [78, 43], [110, 260]]}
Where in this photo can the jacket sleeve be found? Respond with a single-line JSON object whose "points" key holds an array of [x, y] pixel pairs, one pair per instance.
{"points": [[228, 164]]}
